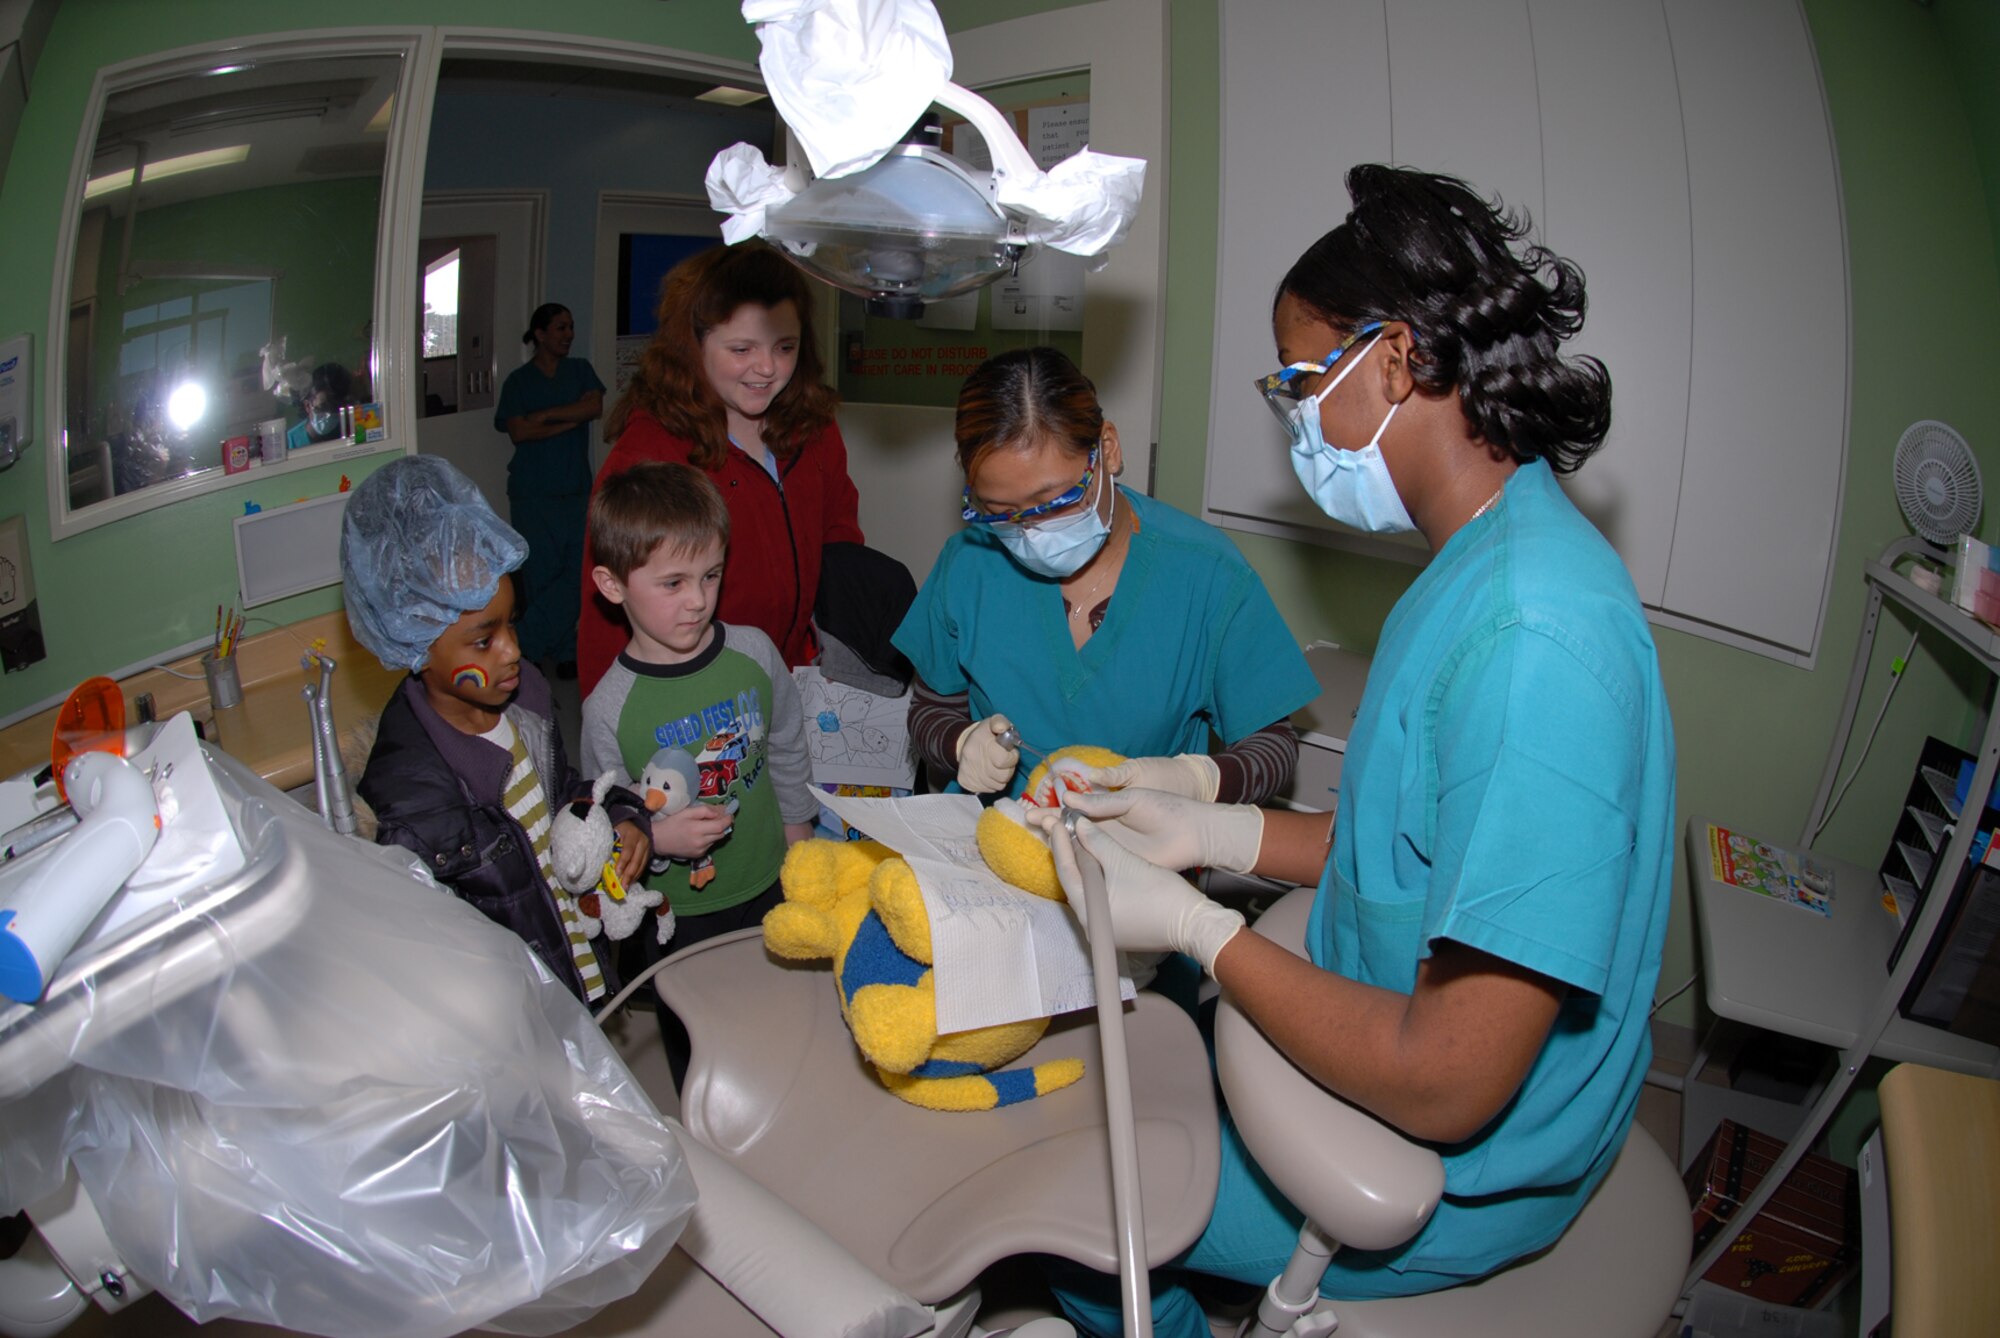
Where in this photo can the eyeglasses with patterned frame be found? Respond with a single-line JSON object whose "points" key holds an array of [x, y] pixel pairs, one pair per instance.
{"points": [[1281, 388], [973, 515]]}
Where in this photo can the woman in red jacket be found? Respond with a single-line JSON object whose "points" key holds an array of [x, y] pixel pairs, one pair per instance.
{"points": [[731, 385]]}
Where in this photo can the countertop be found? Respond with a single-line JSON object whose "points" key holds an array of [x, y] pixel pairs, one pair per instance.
{"points": [[268, 730]]}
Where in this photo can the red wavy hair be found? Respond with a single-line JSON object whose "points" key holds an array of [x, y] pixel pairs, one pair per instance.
{"points": [[700, 293]]}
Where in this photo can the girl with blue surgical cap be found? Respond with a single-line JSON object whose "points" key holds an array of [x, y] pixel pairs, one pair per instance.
{"points": [[1072, 610], [468, 766], [1494, 885]]}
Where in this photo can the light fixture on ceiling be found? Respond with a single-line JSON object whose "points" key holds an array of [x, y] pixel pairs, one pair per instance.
{"points": [[892, 216], [165, 167], [732, 97], [919, 225]]}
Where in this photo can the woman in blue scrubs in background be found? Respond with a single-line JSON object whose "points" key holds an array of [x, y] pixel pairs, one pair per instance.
{"points": [[1076, 611], [1494, 886], [546, 407]]}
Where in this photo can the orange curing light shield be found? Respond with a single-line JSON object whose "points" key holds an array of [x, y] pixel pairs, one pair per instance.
{"points": [[91, 721]]}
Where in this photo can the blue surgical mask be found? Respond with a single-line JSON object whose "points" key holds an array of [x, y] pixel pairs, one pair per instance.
{"points": [[1354, 487], [1058, 548]]}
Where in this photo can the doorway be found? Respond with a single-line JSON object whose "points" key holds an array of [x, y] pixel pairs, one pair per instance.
{"points": [[499, 238]]}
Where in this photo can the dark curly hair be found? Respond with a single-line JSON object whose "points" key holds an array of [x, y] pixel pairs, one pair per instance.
{"points": [[697, 295], [1017, 398], [1427, 250]]}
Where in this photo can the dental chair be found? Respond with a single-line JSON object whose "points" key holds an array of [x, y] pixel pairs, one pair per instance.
{"points": [[927, 1201], [923, 1199], [1614, 1274]]}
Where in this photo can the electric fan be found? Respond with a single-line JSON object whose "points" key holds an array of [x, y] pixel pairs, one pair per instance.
{"points": [[1937, 481]]}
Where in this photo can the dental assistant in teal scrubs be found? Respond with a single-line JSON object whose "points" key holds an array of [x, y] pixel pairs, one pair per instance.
{"points": [[546, 407], [1493, 888], [1077, 611]]}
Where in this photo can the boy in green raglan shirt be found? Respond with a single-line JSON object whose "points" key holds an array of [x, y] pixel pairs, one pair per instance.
{"points": [[719, 693]]}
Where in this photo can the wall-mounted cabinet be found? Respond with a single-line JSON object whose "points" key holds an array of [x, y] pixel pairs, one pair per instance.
{"points": [[1679, 151]]}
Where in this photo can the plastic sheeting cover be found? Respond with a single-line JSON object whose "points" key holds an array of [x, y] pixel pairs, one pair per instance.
{"points": [[377, 1114]]}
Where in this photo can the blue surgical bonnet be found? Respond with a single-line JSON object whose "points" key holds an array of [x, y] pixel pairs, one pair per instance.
{"points": [[419, 546]]}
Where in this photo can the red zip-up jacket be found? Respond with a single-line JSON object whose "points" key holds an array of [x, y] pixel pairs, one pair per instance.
{"points": [[771, 576]]}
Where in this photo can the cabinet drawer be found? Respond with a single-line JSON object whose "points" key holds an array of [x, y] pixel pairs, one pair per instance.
{"points": [[1315, 780]]}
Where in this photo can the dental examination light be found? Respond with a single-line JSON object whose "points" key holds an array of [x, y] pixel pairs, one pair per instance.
{"points": [[917, 226], [887, 214]]}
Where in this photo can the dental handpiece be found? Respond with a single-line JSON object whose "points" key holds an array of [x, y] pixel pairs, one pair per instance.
{"points": [[1011, 738]]}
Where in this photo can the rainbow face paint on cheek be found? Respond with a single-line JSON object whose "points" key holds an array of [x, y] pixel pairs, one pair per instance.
{"points": [[468, 676]]}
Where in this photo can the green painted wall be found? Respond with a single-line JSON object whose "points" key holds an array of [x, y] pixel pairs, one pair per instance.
{"points": [[128, 590], [1971, 31], [1752, 732]]}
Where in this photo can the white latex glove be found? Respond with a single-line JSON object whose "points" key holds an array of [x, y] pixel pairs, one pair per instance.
{"points": [[1167, 829], [1190, 775], [984, 763], [1151, 910]]}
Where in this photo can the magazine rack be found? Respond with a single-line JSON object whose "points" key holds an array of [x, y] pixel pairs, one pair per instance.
{"points": [[1827, 978]]}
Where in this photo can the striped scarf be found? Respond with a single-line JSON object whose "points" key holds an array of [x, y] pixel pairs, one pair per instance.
{"points": [[529, 806]]}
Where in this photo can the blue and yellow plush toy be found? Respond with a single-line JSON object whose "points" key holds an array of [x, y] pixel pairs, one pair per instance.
{"points": [[858, 903]]}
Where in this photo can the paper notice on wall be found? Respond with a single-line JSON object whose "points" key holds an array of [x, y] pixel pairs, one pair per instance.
{"points": [[1054, 133], [951, 313], [1045, 294]]}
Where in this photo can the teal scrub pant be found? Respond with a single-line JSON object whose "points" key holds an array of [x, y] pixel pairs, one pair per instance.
{"points": [[552, 575]]}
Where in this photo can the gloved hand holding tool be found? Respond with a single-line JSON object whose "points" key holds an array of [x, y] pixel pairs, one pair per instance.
{"points": [[1169, 830], [1151, 910], [986, 762], [1190, 775]]}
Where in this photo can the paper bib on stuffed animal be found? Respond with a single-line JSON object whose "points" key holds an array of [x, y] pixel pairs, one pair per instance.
{"points": [[859, 904]]}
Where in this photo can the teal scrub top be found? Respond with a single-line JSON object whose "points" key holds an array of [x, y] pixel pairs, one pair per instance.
{"points": [[1509, 785], [1191, 642], [554, 465]]}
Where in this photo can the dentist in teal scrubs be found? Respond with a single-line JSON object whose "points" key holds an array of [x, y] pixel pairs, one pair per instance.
{"points": [[1493, 887], [1076, 611]]}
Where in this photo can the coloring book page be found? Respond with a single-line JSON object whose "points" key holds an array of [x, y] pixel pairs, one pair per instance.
{"points": [[855, 737]]}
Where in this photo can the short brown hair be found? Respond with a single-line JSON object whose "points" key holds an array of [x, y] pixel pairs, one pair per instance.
{"points": [[700, 293], [653, 503]]}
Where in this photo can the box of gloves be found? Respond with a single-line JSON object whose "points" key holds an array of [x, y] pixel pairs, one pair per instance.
{"points": [[1803, 1244]]}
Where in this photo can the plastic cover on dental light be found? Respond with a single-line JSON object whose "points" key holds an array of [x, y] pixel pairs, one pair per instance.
{"points": [[320, 1092], [914, 224], [850, 78]]}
